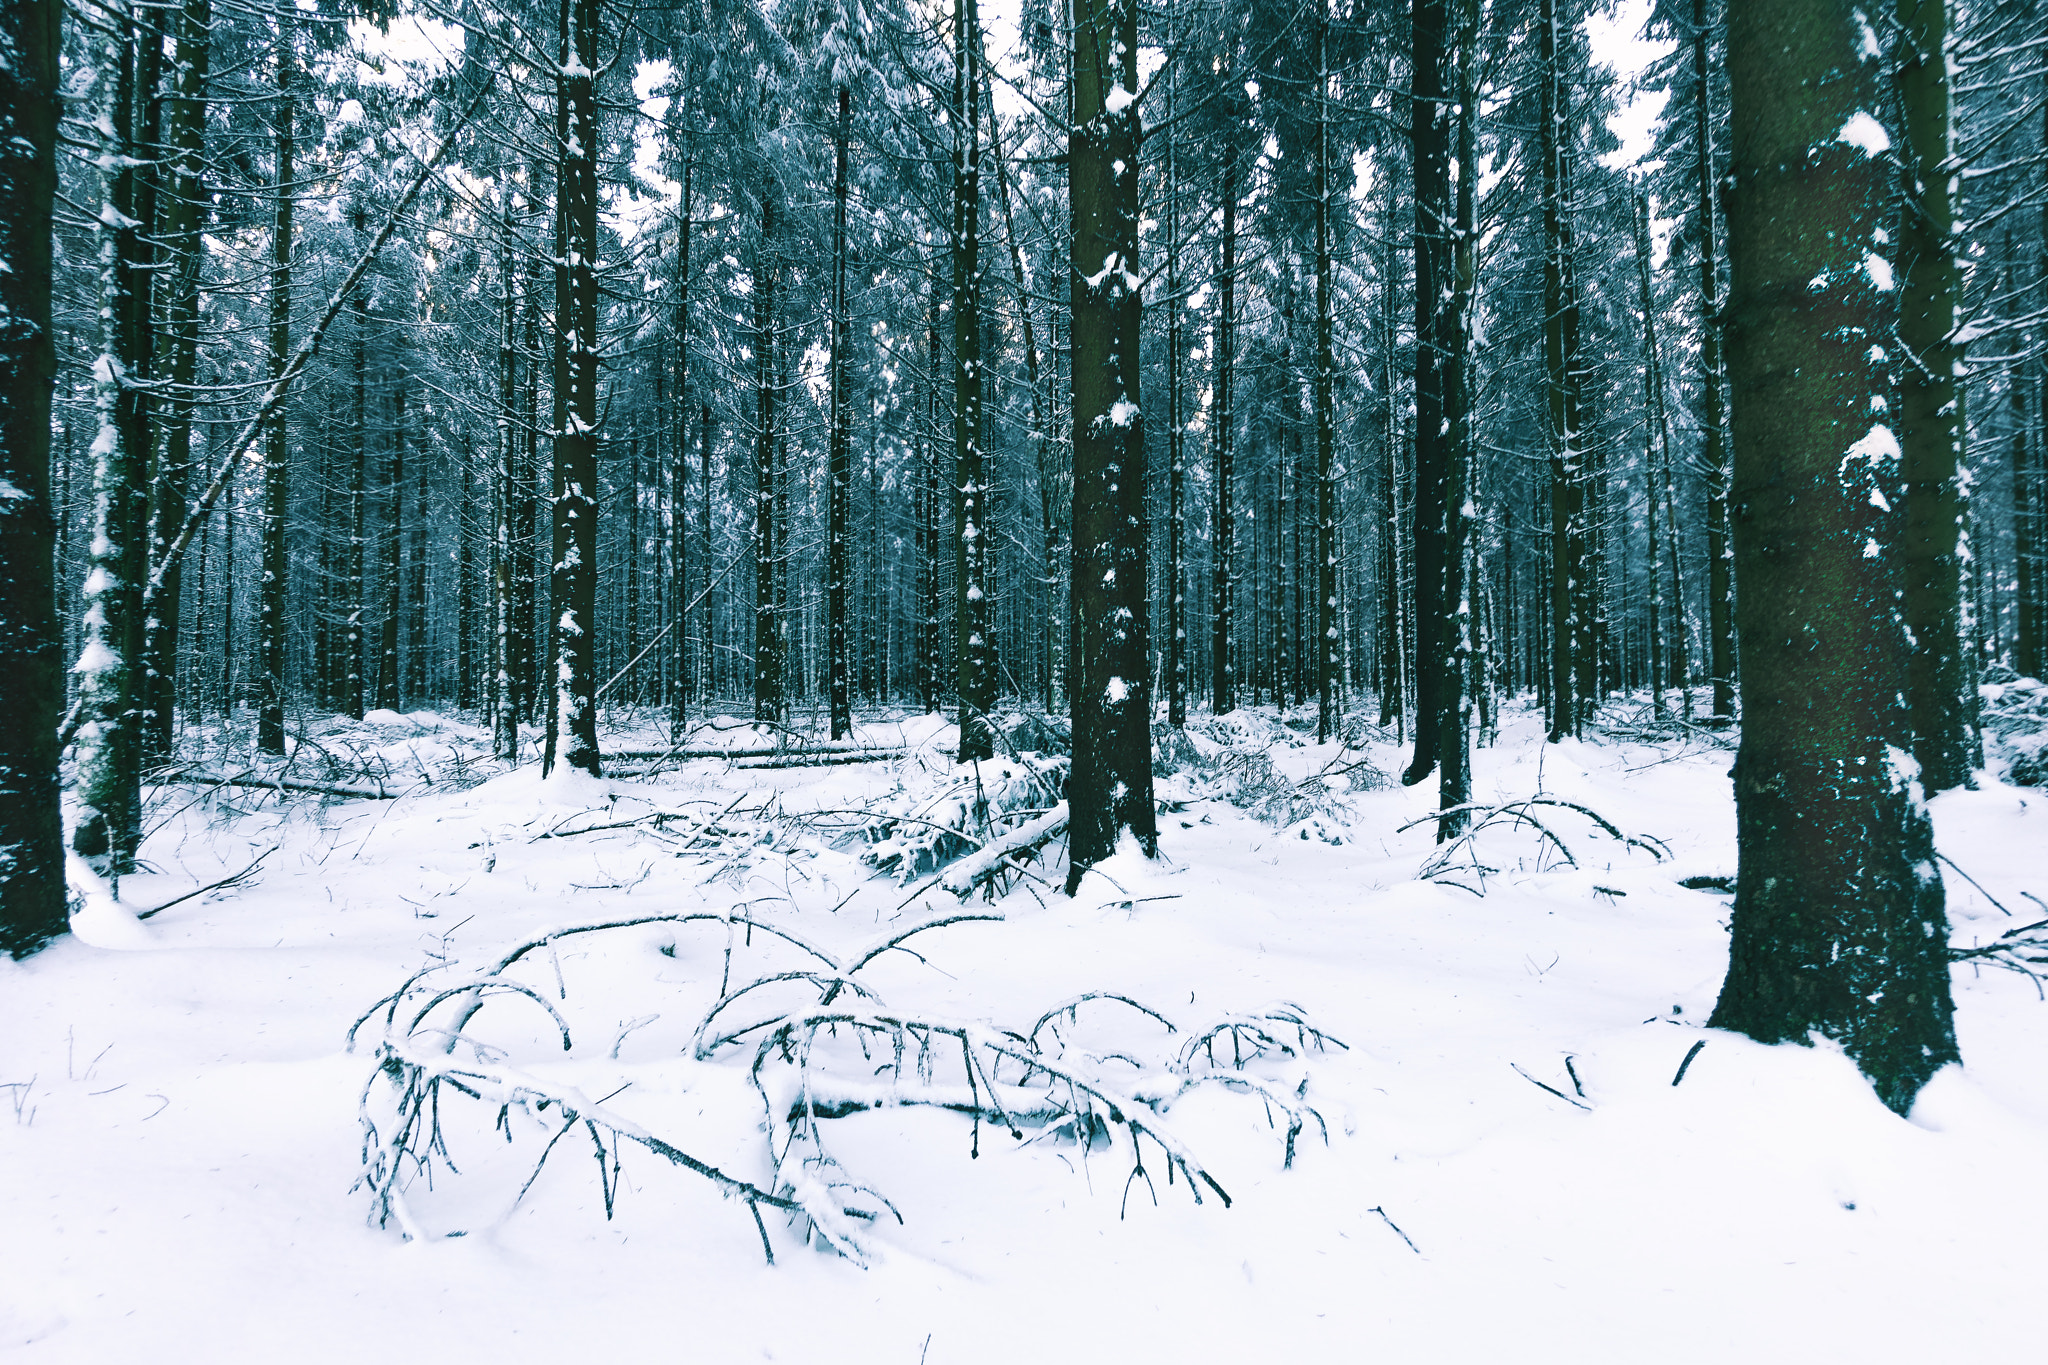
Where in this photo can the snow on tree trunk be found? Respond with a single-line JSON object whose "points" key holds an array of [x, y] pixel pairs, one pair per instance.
{"points": [[1839, 923], [1940, 681], [1110, 786], [109, 737], [840, 470], [572, 729], [271, 627], [972, 528]]}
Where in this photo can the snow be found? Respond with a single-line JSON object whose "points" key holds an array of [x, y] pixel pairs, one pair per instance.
{"points": [[1865, 133], [178, 1113], [1116, 101]]}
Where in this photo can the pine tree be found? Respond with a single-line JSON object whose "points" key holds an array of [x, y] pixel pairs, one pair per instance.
{"points": [[1839, 925], [32, 900], [1110, 786]]}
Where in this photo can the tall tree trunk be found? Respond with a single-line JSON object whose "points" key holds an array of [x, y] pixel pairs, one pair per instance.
{"points": [[1176, 435], [572, 732], [389, 697], [183, 219], [1713, 419], [1839, 925], [109, 750], [1041, 405], [1454, 699], [2028, 635], [1654, 428], [839, 496], [271, 621], [357, 567], [679, 527], [971, 523], [1326, 634], [504, 704], [1223, 579], [1940, 684], [767, 673], [1110, 786], [1435, 328], [1567, 474], [32, 899]]}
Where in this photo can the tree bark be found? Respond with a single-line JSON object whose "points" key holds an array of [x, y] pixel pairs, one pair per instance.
{"points": [[1110, 786], [767, 673], [839, 496], [1223, 581], [276, 493], [1839, 925], [32, 899], [972, 527], [1713, 418], [109, 752], [1940, 684], [183, 218], [1434, 341], [572, 733]]}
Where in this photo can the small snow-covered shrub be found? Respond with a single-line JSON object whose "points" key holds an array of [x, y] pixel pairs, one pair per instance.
{"points": [[2015, 719], [917, 831]]}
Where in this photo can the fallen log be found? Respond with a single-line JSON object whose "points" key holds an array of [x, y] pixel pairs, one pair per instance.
{"points": [[283, 784]]}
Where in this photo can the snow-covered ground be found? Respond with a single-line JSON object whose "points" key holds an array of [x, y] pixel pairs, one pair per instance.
{"points": [[1510, 1171]]}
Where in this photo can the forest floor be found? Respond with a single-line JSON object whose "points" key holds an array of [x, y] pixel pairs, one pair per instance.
{"points": [[1509, 1171]]}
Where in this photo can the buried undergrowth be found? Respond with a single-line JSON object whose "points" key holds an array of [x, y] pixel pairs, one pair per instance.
{"points": [[815, 1042]]}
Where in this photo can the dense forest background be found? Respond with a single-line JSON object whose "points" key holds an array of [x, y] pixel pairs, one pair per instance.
{"points": [[762, 170]]}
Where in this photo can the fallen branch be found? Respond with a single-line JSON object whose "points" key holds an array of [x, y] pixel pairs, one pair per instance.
{"points": [[967, 874], [234, 879], [282, 784]]}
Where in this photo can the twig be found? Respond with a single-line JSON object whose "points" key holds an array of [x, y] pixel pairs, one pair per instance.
{"points": [[223, 884], [1551, 1088], [1691, 1053]]}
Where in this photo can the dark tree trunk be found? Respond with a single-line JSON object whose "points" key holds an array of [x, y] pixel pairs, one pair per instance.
{"points": [[183, 218], [1110, 787], [32, 898], [839, 496], [971, 522], [1560, 334], [572, 733], [767, 670], [1434, 341], [1326, 634], [271, 624], [1713, 419], [1940, 683], [1839, 925], [679, 520], [1223, 580]]}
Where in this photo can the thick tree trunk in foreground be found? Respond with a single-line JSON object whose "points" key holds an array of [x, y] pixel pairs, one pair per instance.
{"points": [[1839, 923], [1110, 788], [1939, 678], [32, 904]]}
